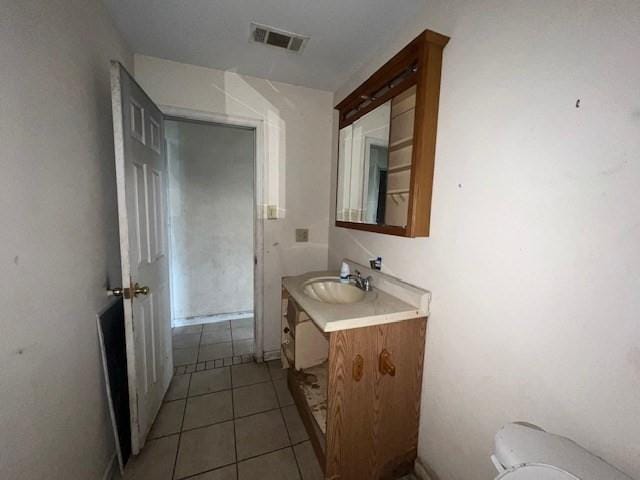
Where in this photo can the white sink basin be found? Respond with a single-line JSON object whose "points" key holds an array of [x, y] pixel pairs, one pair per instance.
{"points": [[330, 290]]}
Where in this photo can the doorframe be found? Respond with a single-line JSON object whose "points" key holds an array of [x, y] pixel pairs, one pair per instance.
{"points": [[259, 182]]}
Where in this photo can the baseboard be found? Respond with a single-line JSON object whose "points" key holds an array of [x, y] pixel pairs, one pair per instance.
{"points": [[423, 471], [218, 317], [271, 355], [112, 468]]}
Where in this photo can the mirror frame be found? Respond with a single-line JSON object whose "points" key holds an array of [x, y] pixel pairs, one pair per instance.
{"points": [[419, 64]]}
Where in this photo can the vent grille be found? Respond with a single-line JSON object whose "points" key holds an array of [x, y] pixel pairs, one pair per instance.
{"points": [[259, 35], [278, 38]]}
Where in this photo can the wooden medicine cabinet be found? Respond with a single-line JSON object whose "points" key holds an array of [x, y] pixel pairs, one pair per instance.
{"points": [[387, 143]]}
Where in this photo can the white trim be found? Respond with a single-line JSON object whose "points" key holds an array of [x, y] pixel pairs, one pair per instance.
{"points": [[215, 318], [260, 181], [110, 470], [272, 355], [421, 471]]}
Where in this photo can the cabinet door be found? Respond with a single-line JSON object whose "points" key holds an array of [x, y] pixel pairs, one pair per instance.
{"points": [[372, 423], [352, 406], [399, 416]]}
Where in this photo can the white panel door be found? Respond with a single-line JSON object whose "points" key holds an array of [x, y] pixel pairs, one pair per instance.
{"points": [[141, 171]]}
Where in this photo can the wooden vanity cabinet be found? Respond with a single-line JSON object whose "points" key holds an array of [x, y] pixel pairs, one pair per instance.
{"points": [[371, 382]]}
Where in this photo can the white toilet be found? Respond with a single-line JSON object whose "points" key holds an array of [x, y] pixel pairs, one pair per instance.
{"points": [[526, 452]]}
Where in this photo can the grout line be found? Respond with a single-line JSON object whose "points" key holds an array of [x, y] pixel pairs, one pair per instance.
{"points": [[236, 463], [175, 460], [222, 389], [286, 428], [207, 471], [268, 453], [233, 414], [223, 421], [199, 340]]}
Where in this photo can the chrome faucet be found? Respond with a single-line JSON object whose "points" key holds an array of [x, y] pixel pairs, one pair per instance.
{"points": [[361, 283]]}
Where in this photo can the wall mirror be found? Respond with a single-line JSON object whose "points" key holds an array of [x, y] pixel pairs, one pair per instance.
{"points": [[386, 146], [363, 167]]}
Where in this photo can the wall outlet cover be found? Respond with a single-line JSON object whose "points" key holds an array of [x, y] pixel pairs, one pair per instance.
{"points": [[302, 234]]}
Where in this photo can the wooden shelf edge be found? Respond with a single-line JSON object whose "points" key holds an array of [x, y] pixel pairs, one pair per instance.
{"points": [[400, 144], [372, 227], [398, 168]]}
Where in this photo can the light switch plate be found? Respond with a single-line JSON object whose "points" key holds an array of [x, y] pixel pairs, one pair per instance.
{"points": [[272, 212], [302, 234]]}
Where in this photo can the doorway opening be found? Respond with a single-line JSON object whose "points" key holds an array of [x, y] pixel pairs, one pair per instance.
{"points": [[212, 241]]}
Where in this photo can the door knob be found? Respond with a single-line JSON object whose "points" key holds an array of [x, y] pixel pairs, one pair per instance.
{"points": [[138, 290], [126, 292]]}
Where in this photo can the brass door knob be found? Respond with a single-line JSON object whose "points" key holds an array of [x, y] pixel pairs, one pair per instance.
{"points": [[138, 290], [126, 292]]}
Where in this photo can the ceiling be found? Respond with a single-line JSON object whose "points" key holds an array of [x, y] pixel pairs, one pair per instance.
{"points": [[215, 33]]}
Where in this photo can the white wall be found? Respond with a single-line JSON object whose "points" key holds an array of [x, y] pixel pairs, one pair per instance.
{"points": [[59, 236], [533, 258], [297, 129], [211, 169]]}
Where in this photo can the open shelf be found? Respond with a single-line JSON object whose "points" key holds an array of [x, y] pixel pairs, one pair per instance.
{"points": [[313, 384], [309, 389]]}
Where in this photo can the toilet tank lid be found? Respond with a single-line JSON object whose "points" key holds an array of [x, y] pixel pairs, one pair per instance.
{"points": [[522, 444]]}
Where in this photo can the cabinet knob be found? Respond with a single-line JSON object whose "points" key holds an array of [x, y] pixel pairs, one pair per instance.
{"points": [[286, 330], [358, 368], [386, 365]]}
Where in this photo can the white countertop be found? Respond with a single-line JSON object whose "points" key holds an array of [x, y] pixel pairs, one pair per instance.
{"points": [[391, 300]]}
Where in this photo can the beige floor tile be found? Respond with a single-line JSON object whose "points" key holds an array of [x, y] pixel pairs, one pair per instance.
{"points": [[308, 462], [210, 381], [260, 434], [209, 338], [249, 373], [178, 388], [205, 449], [186, 340], [185, 356], [243, 347], [155, 462], [215, 351], [187, 329], [242, 323], [169, 419], [216, 327], [241, 333], [254, 399], [282, 391], [297, 432], [208, 409], [224, 473], [280, 465], [276, 370]]}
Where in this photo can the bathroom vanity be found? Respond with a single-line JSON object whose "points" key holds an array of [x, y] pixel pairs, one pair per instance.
{"points": [[354, 362]]}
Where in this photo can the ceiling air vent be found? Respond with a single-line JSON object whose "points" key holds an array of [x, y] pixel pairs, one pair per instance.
{"points": [[278, 38]]}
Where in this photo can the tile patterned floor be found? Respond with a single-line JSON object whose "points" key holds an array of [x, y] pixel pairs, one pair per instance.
{"points": [[234, 422], [225, 417], [213, 345]]}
